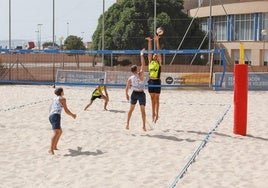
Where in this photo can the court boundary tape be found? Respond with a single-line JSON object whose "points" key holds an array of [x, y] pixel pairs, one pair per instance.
{"points": [[201, 146], [23, 105]]}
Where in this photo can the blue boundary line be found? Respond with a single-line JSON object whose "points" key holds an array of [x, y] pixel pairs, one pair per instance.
{"points": [[201, 146]]}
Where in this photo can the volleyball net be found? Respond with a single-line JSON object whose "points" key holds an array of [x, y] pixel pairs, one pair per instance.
{"points": [[190, 68]]}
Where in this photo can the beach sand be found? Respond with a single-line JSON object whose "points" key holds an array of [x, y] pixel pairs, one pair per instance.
{"points": [[96, 150]]}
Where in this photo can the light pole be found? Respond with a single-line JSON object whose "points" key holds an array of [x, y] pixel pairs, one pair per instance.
{"points": [[53, 24], [82, 35], [9, 39], [61, 40], [103, 28], [53, 39], [263, 33], [39, 35], [154, 20], [37, 38], [67, 33]]}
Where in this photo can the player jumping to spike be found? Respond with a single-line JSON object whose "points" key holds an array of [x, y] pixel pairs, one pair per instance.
{"points": [[155, 61]]}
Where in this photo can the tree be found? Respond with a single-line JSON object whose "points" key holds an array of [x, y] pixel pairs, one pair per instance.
{"points": [[74, 43], [49, 44], [128, 22]]}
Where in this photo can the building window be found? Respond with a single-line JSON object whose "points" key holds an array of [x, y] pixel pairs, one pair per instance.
{"points": [[204, 24], [247, 57], [265, 25], [200, 3], [265, 57], [244, 27], [220, 28]]}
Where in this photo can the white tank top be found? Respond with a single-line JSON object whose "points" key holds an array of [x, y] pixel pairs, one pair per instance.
{"points": [[56, 106], [136, 83]]}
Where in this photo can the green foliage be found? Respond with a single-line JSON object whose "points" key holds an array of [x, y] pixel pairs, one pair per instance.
{"points": [[74, 43], [46, 44], [128, 22]]}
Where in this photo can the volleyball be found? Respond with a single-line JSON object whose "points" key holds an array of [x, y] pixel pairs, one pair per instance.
{"points": [[160, 31]]}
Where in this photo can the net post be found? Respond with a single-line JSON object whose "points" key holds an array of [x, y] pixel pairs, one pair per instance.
{"points": [[240, 95]]}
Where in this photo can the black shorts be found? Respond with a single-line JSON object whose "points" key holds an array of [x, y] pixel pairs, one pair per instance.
{"points": [[55, 121], [154, 89], [138, 96], [94, 97]]}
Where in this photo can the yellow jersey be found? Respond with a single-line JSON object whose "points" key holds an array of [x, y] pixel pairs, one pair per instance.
{"points": [[96, 92], [154, 69]]}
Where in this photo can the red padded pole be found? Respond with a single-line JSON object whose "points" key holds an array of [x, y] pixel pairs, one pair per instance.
{"points": [[240, 99]]}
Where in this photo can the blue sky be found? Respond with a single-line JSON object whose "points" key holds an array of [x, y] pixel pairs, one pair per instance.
{"points": [[82, 16]]}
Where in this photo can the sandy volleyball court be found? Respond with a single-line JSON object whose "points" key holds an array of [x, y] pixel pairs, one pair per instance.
{"points": [[95, 150]]}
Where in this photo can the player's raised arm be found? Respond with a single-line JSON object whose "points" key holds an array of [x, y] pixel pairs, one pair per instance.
{"points": [[142, 64], [159, 56], [150, 47]]}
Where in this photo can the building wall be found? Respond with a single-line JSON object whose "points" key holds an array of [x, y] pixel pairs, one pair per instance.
{"points": [[233, 8], [192, 4], [255, 50]]}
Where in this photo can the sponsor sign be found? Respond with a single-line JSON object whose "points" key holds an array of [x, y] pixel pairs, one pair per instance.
{"points": [[172, 78], [256, 81], [80, 77]]}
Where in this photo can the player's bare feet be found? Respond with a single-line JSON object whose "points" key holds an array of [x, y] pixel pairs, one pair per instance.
{"points": [[153, 117], [51, 152], [156, 118], [144, 128], [127, 127]]}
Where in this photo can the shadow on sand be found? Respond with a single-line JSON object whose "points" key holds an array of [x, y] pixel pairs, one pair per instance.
{"points": [[171, 138], [117, 111], [79, 152]]}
